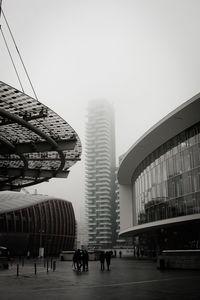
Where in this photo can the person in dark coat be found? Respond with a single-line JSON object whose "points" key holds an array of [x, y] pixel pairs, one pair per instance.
{"points": [[79, 257], [108, 259], [85, 258], [74, 264], [102, 260]]}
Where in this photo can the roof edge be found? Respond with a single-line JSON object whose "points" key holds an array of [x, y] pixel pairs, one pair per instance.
{"points": [[172, 124]]}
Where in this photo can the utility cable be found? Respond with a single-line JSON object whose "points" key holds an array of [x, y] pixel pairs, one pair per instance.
{"points": [[11, 59], [19, 55], [0, 7]]}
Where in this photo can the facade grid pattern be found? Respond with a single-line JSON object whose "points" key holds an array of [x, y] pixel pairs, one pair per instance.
{"points": [[167, 182], [100, 174]]}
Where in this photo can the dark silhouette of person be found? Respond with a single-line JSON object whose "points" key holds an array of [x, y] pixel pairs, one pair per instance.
{"points": [[74, 265], [138, 252], [79, 260], [120, 254], [82, 261], [108, 259], [85, 260], [102, 260]]}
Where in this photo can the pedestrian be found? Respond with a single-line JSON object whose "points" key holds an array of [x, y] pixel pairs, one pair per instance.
{"points": [[82, 260], [120, 253], [74, 264], [108, 260], [85, 260], [79, 264], [102, 260], [138, 252]]}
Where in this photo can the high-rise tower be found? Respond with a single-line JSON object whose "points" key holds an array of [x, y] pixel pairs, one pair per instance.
{"points": [[100, 174]]}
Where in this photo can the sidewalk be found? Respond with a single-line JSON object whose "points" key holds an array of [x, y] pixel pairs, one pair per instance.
{"points": [[128, 279]]}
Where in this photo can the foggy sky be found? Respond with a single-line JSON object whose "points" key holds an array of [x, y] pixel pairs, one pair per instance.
{"points": [[142, 55]]}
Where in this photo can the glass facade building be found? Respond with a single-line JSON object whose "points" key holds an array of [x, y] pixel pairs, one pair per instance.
{"points": [[167, 182], [159, 183]]}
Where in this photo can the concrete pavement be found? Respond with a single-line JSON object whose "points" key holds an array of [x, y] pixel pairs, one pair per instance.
{"points": [[127, 279]]}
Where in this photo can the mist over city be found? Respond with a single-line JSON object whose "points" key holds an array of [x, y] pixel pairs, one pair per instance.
{"points": [[135, 54], [99, 139]]}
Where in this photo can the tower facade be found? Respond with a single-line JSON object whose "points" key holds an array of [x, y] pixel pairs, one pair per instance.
{"points": [[100, 174]]}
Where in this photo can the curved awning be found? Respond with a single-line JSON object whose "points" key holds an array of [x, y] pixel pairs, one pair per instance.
{"points": [[152, 226], [35, 143]]}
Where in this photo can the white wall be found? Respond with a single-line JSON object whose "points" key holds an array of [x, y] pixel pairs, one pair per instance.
{"points": [[126, 207]]}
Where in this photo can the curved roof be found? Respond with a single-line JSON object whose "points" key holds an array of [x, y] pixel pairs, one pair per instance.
{"points": [[35, 143], [177, 121], [10, 201]]}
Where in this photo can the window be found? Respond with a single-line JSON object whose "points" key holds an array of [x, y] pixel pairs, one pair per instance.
{"points": [[170, 174]]}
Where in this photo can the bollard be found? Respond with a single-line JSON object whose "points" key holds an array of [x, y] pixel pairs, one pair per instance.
{"points": [[47, 265], [54, 266], [35, 268], [44, 262], [17, 269], [162, 264]]}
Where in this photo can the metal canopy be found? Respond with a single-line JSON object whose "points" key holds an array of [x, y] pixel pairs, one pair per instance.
{"points": [[35, 143]]}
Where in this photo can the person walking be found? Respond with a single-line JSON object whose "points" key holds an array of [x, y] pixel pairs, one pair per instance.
{"points": [[108, 260], [85, 259], [82, 260], [120, 253], [102, 260], [74, 263], [79, 264]]}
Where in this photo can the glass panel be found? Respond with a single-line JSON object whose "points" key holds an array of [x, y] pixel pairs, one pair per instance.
{"points": [[167, 182]]}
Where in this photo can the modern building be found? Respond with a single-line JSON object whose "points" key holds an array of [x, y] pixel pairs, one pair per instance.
{"points": [[119, 241], [100, 174], [82, 229], [159, 181], [32, 222], [35, 143], [117, 200]]}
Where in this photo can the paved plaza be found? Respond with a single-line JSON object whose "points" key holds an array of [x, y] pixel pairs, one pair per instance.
{"points": [[127, 279]]}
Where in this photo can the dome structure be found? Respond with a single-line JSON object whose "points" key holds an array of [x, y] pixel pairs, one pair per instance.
{"points": [[29, 222]]}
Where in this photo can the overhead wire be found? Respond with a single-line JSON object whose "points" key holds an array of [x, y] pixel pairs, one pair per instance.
{"points": [[0, 7], [22, 62], [12, 59]]}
